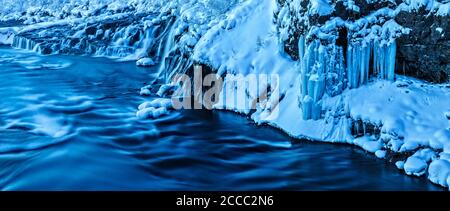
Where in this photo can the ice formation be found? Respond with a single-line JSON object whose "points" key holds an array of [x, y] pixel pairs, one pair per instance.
{"points": [[323, 71]]}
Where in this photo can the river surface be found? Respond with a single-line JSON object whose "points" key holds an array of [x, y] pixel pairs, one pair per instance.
{"points": [[68, 123]]}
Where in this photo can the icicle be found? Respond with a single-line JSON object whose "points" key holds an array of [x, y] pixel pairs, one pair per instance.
{"points": [[307, 107], [391, 59], [384, 60], [313, 71], [301, 47]]}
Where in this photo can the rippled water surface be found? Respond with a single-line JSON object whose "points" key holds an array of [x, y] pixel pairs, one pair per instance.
{"points": [[68, 123]]}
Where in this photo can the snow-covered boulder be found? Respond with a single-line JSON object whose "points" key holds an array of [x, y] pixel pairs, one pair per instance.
{"points": [[155, 108], [145, 62], [415, 166], [439, 172]]}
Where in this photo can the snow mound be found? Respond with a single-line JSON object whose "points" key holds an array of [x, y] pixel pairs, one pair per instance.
{"points": [[415, 166], [155, 108], [145, 62], [439, 172], [7, 35]]}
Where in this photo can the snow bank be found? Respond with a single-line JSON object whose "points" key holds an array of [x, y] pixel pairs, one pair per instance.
{"points": [[7, 35], [145, 62], [415, 166], [320, 7], [439, 172], [410, 114]]}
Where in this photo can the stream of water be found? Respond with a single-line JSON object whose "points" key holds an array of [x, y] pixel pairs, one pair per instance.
{"points": [[68, 123]]}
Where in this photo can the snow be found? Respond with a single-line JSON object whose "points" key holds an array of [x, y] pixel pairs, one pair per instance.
{"points": [[443, 10], [380, 153], [400, 165], [411, 113], [320, 7], [426, 155], [7, 35], [439, 172], [155, 108], [368, 144], [145, 62], [415, 166], [117, 6], [144, 91]]}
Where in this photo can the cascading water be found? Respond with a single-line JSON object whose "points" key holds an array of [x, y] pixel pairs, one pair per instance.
{"points": [[168, 48], [172, 62], [25, 43]]}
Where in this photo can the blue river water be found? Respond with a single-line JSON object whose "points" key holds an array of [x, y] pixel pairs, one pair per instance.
{"points": [[68, 123]]}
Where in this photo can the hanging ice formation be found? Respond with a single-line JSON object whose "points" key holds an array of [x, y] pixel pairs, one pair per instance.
{"points": [[322, 70]]}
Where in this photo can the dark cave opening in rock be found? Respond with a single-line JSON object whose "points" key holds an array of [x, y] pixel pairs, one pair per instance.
{"points": [[342, 41]]}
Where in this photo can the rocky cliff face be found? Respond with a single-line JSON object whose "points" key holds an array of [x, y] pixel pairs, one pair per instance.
{"points": [[422, 34]]}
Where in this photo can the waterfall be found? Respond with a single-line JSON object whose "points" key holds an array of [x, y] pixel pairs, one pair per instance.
{"points": [[146, 43], [25, 43], [169, 46]]}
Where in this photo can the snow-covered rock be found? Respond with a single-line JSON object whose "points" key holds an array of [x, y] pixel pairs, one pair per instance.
{"points": [[145, 62], [380, 153], [368, 144], [7, 35], [155, 108], [400, 165], [439, 172], [415, 166]]}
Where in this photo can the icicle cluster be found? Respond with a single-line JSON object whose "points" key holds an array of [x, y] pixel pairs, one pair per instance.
{"points": [[384, 60], [323, 71], [359, 56]]}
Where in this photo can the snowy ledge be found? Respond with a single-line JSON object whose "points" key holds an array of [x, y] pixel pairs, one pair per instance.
{"points": [[406, 121]]}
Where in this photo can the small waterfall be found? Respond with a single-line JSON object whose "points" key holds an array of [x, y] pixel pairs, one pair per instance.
{"points": [[163, 37], [145, 44], [25, 43], [113, 51], [169, 46]]}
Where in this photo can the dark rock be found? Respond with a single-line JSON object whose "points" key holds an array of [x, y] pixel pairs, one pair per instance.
{"points": [[91, 30], [424, 53], [135, 37], [46, 50]]}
